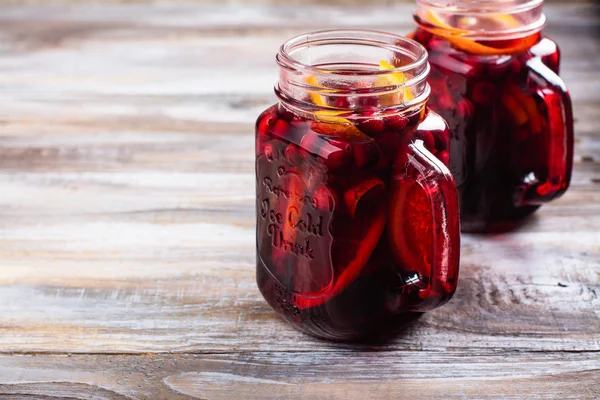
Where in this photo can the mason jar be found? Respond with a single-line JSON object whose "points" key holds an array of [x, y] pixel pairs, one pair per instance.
{"points": [[494, 78], [356, 213]]}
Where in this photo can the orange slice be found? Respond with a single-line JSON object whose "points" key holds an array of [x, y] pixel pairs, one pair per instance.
{"points": [[318, 100], [371, 186], [355, 242], [456, 36], [410, 226], [363, 247], [392, 79], [517, 114], [528, 104]]}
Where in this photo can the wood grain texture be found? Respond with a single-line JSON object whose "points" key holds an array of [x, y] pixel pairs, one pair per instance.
{"points": [[127, 224], [314, 375]]}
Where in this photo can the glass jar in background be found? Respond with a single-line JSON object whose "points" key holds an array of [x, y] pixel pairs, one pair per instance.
{"points": [[357, 219], [494, 79]]}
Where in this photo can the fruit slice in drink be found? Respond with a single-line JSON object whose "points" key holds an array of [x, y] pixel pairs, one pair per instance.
{"points": [[409, 228], [457, 37], [355, 239]]}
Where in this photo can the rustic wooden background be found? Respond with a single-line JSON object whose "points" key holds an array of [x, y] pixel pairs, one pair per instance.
{"points": [[127, 224]]}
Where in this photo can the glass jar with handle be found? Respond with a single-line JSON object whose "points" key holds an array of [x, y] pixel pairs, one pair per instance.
{"points": [[357, 215]]}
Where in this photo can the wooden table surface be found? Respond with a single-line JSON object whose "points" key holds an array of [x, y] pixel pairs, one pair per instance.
{"points": [[127, 247]]}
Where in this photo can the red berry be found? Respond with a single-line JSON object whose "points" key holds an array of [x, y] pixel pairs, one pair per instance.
{"points": [[422, 36], [366, 154], [444, 157], [445, 102], [336, 153], [280, 128], [474, 66], [427, 138], [483, 93], [293, 154], [442, 139], [369, 123], [515, 67], [437, 43], [342, 102], [465, 108], [265, 124], [396, 122], [372, 126], [498, 70]]}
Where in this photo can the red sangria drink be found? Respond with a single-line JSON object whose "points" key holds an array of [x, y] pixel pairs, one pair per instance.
{"points": [[494, 79], [357, 215]]}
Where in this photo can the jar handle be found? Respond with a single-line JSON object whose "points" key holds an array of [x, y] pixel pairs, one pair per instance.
{"points": [[559, 136], [438, 274]]}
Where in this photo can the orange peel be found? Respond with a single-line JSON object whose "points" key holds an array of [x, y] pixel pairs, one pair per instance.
{"points": [[456, 36]]}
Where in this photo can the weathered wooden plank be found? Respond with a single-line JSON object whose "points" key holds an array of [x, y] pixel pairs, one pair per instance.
{"points": [[163, 291], [314, 375]]}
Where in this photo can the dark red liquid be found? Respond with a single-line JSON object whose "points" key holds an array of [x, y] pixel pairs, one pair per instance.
{"points": [[344, 224], [500, 153]]}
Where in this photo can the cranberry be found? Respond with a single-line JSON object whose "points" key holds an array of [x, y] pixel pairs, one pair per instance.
{"points": [[372, 126], [341, 102], [422, 36], [474, 66], [465, 108], [293, 154], [444, 157], [442, 139], [498, 70], [280, 128], [437, 43], [396, 122], [483, 93], [445, 102], [336, 153], [427, 138], [366, 154], [369, 124], [265, 124], [515, 67]]}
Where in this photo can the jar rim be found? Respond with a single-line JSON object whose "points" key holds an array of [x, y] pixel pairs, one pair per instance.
{"points": [[525, 17], [483, 6], [333, 63], [356, 37]]}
